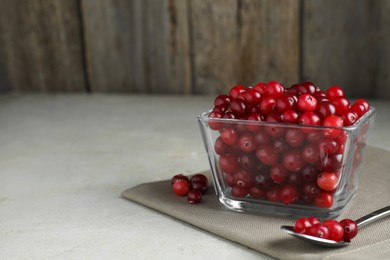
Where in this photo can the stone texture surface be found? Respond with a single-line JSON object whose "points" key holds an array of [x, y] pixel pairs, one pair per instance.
{"points": [[65, 159]]}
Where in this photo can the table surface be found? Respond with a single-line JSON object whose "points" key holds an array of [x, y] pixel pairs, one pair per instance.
{"points": [[66, 158]]}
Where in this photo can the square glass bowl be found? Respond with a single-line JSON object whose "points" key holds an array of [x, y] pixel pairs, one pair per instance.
{"points": [[277, 167]]}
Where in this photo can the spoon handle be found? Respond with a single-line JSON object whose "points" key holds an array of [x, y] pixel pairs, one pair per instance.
{"points": [[378, 214]]}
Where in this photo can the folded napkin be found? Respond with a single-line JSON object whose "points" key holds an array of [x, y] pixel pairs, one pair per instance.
{"points": [[262, 232]]}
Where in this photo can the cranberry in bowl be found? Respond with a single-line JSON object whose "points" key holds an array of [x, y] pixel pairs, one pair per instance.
{"points": [[293, 151]]}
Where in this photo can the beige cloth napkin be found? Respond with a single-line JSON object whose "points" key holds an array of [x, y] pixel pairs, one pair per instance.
{"points": [[262, 232]]}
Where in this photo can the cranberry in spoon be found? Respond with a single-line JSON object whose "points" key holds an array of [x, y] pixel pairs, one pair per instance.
{"points": [[361, 222]]}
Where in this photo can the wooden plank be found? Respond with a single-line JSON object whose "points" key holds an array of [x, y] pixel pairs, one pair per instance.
{"points": [[138, 46], [41, 45], [244, 42], [343, 45]]}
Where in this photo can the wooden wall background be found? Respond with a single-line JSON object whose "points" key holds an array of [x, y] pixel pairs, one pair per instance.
{"points": [[193, 46]]}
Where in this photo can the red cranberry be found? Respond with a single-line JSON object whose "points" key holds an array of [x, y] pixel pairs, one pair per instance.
{"points": [[364, 103], [181, 187], [223, 100], [243, 179], [198, 185], [254, 127], [295, 137], [336, 231], [309, 173], [261, 88], [239, 191], [309, 118], [220, 147], [238, 106], [285, 102], [325, 109], [310, 153], [324, 200], [237, 91], [332, 162], [248, 162], [280, 145], [307, 102], [252, 97], [333, 121], [274, 89], [263, 181], [273, 194], [295, 178], [267, 105], [301, 225], [313, 220], [267, 155], [220, 109], [256, 192], [328, 146], [278, 173], [307, 87], [311, 190], [179, 177], [199, 178], [349, 118], [289, 194], [214, 124], [350, 229], [327, 181], [358, 108], [333, 92], [263, 138], [194, 196], [228, 163], [247, 142], [341, 104], [318, 230], [290, 116], [229, 136], [293, 160]]}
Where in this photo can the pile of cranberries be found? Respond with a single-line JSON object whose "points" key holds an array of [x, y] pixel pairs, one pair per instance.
{"points": [[192, 187], [291, 160], [330, 229]]}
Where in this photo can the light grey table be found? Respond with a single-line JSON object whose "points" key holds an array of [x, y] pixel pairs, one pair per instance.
{"points": [[65, 159]]}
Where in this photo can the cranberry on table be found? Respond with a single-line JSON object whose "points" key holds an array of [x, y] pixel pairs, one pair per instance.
{"points": [[194, 196], [181, 187], [179, 177]]}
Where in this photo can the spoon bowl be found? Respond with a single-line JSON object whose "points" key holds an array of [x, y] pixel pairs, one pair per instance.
{"points": [[361, 222]]}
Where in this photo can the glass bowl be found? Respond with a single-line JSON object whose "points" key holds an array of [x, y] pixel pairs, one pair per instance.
{"points": [[285, 169]]}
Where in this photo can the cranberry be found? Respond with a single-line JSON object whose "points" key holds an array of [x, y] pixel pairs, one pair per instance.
{"points": [[229, 115], [262, 138], [220, 109], [247, 142], [295, 137], [311, 190], [239, 191], [256, 192], [274, 89], [332, 162], [261, 88], [324, 200], [263, 181], [289, 194], [293, 160], [290, 116], [333, 121], [295, 178], [358, 108], [364, 103], [309, 173], [314, 136], [199, 178], [273, 194], [238, 106], [181, 187], [254, 127], [237, 91], [341, 104], [325, 109], [328, 146], [214, 124], [349, 118], [229, 179], [194, 196], [350, 229], [309, 118], [179, 177], [285, 102], [267, 105], [307, 87], [333, 92], [307, 102], [248, 161], [301, 225], [243, 179], [252, 97], [220, 147], [199, 186], [223, 100], [313, 220], [327, 181], [278, 173], [229, 136], [336, 231], [267, 155], [228, 163], [310, 153], [280, 145], [318, 230]]}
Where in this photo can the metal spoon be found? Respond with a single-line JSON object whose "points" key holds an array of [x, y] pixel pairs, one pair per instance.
{"points": [[361, 222]]}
